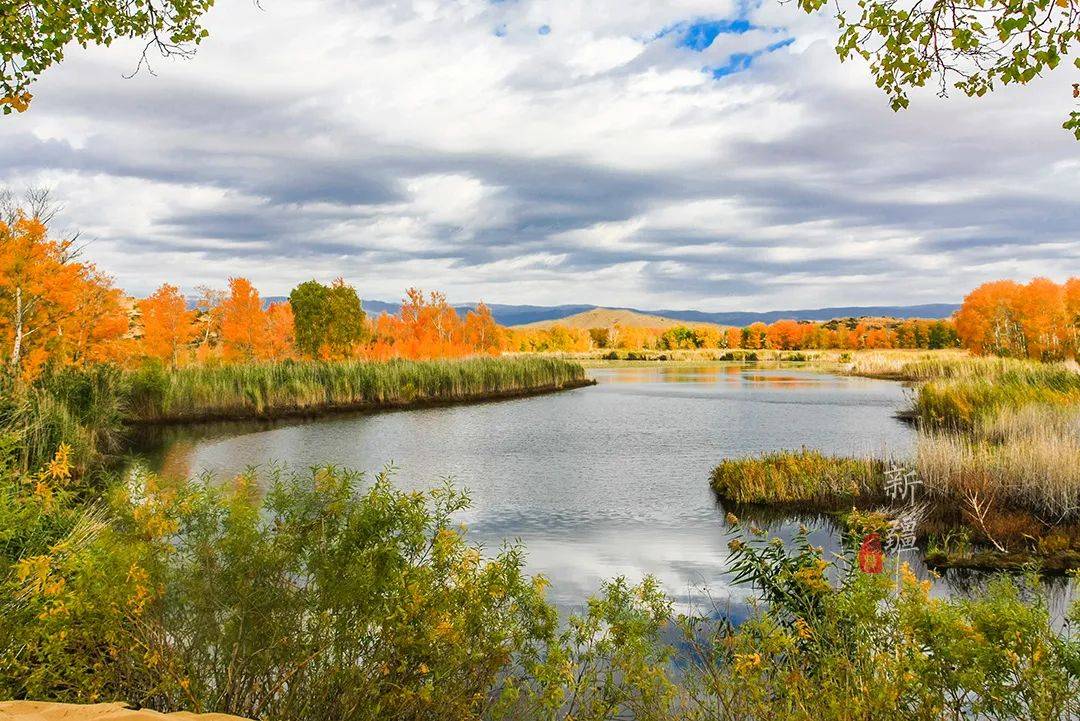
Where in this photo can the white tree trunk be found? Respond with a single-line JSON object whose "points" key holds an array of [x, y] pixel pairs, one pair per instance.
{"points": [[16, 350]]}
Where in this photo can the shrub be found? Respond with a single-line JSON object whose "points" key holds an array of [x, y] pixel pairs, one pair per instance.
{"points": [[837, 643]]}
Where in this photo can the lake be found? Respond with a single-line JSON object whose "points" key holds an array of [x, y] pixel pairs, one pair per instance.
{"points": [[596, 482]]}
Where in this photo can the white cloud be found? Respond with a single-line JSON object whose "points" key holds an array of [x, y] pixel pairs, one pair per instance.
{"points": [[453, 144]]}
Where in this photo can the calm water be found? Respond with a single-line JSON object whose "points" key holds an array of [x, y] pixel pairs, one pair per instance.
{"points": [[599, 481]]}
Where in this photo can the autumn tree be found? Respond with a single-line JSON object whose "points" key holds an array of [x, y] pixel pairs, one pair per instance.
{"points": [[1039, 320], [34, 35], [281, 331], [208, 310], [1040, 307], [481, 332], [988, 321], [168, 327], [1072, 314], [244, 329], [973, 46], [785, 335], [54, 308], [600, 337], [329, 320], [430, 326]]}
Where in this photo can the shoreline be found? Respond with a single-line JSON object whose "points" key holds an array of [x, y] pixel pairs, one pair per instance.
{"points": [[331, 409]]}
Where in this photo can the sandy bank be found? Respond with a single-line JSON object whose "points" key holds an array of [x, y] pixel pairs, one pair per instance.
{"points": [[40, 711]]}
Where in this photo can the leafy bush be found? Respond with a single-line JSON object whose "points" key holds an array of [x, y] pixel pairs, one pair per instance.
{"points": [[324, 598], [855, 646]]}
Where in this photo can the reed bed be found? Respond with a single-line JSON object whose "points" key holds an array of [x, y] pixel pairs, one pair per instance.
{"points": [[803, 476], [907, 365], [276, 389], [963, 401], [1019, 458]]}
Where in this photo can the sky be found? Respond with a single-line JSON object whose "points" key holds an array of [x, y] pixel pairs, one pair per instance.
{"points": [[683, 154]]}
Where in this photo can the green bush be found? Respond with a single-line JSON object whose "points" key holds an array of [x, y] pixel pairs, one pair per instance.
{"points": [[837, 643], [323, 598]]}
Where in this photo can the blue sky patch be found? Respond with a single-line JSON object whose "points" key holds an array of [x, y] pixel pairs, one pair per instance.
{"points": [[701, 35], [544, 30], [741, 61]]}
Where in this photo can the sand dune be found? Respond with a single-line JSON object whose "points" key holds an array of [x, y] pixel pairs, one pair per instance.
{"points": [[41, 711]]}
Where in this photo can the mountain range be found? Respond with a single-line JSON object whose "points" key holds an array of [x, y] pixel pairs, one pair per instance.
{"points": [[524, 314]]}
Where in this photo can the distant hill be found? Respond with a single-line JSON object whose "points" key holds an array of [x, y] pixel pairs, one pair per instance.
{"points": [[528, 314], [607, 317], [929, 311]]}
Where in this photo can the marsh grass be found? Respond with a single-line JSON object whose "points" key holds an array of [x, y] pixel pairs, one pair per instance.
{"points": [[904, 365], [998, 454], [1023, 458], [964, 402], [275, 389], [82, 408], [803, 476]]}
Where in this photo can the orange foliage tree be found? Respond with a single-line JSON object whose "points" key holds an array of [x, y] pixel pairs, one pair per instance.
{"points": [[168, 327], [245, 334], [482, 333], [429, 327], [1040, 320], [281, 331], [54, 308]]}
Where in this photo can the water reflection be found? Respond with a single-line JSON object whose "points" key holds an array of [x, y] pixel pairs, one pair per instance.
{"points": [[599, 481]]}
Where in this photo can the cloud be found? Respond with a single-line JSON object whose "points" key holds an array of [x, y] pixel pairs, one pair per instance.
{"points": [[676, 154]]}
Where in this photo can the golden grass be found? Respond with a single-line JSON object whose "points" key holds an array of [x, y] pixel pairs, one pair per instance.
{"points": [[1026, 458], [804, 476]]}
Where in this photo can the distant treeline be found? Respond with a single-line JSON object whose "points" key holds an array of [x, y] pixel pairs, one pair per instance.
{"points": [[849, 334]]}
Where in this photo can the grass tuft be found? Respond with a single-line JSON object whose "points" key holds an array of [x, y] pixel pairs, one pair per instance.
{"points": [[803, 476]]}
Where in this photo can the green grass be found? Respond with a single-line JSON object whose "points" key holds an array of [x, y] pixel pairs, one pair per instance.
{"points": [[804, 476], [82, 408], [261, 390], [963, 400]]}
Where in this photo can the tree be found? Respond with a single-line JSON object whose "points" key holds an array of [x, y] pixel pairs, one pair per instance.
{"points": [[599, 337], [345, 312], [483, 334], [208, 310], [1040, 306], [988, 321], [680, 338], [244, 329], [785, 335], [329, 321], [970, 45], [34, 35], [1072, 314], [308, 303], [54, 308], [167, 325], [281, 331]]}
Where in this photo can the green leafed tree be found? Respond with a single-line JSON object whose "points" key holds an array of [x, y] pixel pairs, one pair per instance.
{"points": [[329, 319], [973, 46], [34, 34]]}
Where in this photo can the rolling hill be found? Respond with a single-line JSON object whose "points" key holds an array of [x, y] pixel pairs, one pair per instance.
{"points": [[607, 317]]}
